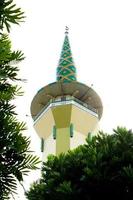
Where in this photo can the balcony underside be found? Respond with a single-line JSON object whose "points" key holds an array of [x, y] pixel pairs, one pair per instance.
{"points": [[86, 96]]}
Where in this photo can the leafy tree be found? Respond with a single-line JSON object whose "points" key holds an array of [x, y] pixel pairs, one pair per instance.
{"points": [[15, 156], [9, 14], [100, 169]]}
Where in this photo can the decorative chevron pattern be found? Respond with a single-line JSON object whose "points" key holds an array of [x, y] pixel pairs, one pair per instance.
{"points": [[66, 71]]}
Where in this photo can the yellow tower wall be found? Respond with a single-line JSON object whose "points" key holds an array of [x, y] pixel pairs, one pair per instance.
{"points": [[62, 117]]}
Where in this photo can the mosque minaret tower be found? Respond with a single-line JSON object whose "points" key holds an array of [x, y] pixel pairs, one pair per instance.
{"points": [[66, 111]]}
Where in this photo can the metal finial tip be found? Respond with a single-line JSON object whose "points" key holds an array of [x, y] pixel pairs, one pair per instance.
{"points": [[66, 30]]}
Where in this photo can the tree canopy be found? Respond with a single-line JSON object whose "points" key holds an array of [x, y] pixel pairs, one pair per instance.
{"points": [[9, 14], [100, 169], [16, 158]]}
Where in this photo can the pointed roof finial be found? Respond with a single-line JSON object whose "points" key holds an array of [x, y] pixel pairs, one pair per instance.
{"points": [[66, 30], [66, 71]]}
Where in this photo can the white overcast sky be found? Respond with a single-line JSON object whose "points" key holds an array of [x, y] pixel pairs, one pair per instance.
{"points": [[101, 37]]}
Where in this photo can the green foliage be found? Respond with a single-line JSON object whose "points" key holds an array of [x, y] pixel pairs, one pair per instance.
{"points": [[9, 14], [100, 169], [16, 159], [8, 59]]}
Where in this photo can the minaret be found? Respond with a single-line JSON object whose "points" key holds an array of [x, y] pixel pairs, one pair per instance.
{"points": [[66, 111]]}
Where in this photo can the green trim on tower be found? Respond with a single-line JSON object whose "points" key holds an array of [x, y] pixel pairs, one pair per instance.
{"points": [[71, 130], [54, 132], [66, 71], [42, 145]]}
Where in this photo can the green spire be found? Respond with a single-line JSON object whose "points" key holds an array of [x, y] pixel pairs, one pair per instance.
{"points": [[66, 71]]}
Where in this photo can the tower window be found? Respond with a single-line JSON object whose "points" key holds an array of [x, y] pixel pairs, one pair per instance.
{"points": [[42, 145], [54, 132], [71, 130]]}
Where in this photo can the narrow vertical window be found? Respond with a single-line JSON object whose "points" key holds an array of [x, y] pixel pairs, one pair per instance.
{"points": [[42, 145], [54, 132], [71, 130]]}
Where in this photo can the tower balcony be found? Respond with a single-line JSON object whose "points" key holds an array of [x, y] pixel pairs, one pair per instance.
{"points": [[73, 91], [62, 104], [66, 100]]}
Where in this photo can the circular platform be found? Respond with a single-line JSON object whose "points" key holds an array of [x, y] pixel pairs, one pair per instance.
{"points": [[59, 89]]}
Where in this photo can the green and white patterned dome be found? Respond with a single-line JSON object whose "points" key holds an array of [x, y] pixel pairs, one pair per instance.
{"points": [[66, 71]]}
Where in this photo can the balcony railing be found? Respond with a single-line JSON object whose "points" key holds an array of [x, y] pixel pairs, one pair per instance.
{"points": [[66, 100]]}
